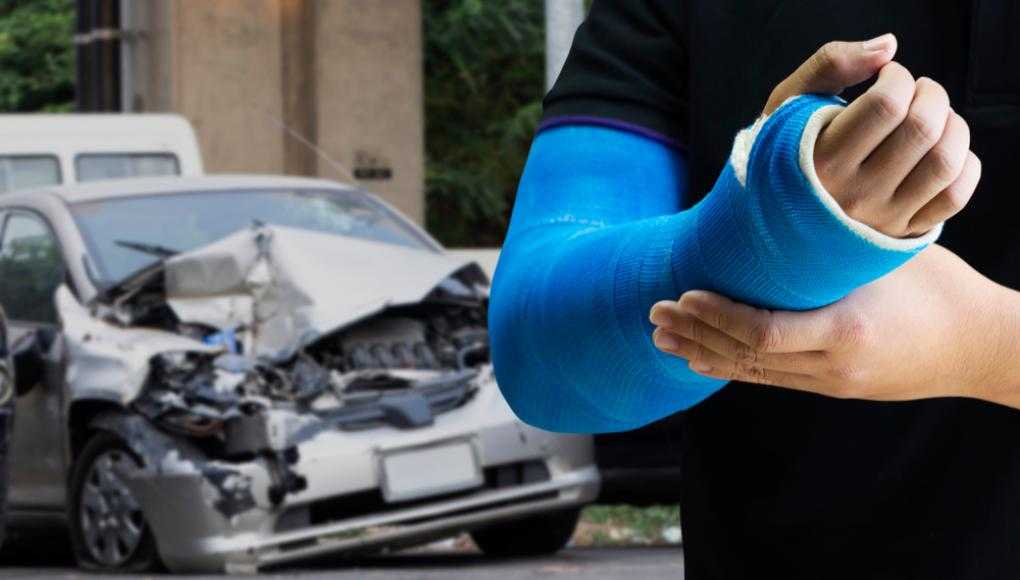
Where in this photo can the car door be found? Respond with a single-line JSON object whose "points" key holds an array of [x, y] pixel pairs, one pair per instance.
{"points": [[31, 269]]}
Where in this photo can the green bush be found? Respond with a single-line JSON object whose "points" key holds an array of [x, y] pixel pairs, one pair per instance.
{"points": [[484, 76], [36, 55]]}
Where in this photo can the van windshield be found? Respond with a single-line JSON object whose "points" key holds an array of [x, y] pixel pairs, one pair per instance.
{"points": [[126, 234], [98, 166]]}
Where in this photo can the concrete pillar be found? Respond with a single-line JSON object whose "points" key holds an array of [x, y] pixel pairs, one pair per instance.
{"points": [[331, 88], [562, 17], [298, 59], [370, 95]]}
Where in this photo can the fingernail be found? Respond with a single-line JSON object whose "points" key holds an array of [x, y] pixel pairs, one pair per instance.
{"points": [[665, 342], [879, 43], [700, 367], [660, 318]]}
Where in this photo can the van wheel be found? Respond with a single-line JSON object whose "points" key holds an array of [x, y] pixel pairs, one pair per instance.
{"points": [[108, 529], [531, 536]]}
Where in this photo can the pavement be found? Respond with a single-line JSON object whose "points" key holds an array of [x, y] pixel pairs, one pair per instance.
{"points": [[645, 563]]}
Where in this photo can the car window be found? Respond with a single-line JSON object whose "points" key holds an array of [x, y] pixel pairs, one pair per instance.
{"points": [[31, 269], [96, 166], [26, 171]]}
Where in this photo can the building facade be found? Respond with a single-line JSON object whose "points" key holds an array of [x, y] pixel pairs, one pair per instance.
{"points": [[328, 88]]}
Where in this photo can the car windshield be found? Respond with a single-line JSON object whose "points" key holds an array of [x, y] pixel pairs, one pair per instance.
{"points": [[126, 234]]}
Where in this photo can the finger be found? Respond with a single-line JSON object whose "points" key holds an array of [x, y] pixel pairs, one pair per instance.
{"points": [[763, 330], [761, 377], [867, 121], [682, 325], [700, 357], [833, 67], [939, 168], [951, 200], [902, 150]]}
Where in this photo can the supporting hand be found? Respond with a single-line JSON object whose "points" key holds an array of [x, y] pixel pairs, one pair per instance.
{"points": [[934, 327]]}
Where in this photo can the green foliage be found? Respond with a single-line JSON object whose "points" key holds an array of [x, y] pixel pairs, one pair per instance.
{"points": [[484, 76], [625, 524], [36, 55]]}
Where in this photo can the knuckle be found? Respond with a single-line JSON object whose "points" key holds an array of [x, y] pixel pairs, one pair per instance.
{"points": [[829, 57], [934, 87], [746, 354], [853, 330], [689, 328], [962, 126], [764, 336], [700, 354], [945, 165], [921, 128], [722, 322], [956, 197], [887, 106], [754, 374], [831, 62]]}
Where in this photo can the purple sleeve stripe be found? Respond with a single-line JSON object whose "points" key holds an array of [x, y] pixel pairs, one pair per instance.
{"points": [[612, 124]]}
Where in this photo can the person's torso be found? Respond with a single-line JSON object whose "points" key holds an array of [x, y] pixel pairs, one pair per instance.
{"points": [[777, 480]]}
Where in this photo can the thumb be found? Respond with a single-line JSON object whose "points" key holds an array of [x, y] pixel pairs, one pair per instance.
{"points": [[834, 67]]}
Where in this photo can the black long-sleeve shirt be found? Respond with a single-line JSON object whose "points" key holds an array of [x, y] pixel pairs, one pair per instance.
{"points": [[785, 484]]}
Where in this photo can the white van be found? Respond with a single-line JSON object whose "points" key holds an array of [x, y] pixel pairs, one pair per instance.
{"points": [[37, 150]]}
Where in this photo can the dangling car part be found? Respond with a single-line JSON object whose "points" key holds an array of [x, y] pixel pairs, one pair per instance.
{"points": [[239, 372]]}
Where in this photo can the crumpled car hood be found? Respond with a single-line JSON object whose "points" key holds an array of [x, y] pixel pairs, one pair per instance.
{"points": [[292, 286]]}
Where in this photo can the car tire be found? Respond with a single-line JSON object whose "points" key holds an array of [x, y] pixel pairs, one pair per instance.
{"points": [[108, 530], [531, 536]]}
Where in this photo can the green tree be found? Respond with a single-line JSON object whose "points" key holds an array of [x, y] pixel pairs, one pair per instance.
{"points": [[484, 81], [36, 55]]}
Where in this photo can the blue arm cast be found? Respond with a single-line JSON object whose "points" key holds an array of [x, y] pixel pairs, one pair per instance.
{"points": [[598, 235]]}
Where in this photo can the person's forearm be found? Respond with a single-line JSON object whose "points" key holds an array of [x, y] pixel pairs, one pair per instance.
{"points": [[1000, 381], [597, 238]]}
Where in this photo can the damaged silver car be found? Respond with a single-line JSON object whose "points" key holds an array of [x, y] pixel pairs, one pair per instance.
{"points": [[228, 373]]}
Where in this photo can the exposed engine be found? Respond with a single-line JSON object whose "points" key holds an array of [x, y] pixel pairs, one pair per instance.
{"points": [[400, 368]]}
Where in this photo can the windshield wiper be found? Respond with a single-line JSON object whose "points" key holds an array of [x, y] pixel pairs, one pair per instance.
{"points": [[153, 249]]}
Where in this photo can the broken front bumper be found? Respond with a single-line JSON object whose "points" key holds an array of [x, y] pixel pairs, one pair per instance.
{"points": [[210, 515]]}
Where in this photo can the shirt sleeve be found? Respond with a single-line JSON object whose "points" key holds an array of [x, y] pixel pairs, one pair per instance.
{"points": [[627, 69]]}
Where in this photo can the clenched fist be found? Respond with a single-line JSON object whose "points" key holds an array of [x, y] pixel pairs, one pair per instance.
{"points": [[897, 158]]}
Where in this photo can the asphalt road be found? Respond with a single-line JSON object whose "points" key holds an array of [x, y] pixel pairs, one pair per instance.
{"points": [[587, 563]]}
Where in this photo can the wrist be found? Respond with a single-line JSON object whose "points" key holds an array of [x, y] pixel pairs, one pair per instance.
{"points": [[801, 243]]}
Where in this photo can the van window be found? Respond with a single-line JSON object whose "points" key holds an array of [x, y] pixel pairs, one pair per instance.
{"points": [[25, 171], [96, 166]]}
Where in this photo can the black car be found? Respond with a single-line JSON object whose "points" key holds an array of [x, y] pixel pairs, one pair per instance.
{"points": [[6, 417]]}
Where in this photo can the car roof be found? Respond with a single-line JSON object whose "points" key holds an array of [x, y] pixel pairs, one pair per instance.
{"points": [[64, 124], [145, 186]]}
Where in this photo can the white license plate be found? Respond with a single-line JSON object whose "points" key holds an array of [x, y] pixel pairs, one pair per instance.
{"points": [[429, 471]]}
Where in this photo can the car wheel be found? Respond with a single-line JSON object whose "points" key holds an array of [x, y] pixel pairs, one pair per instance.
{"points": [[531, 536], [108, 528]]}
